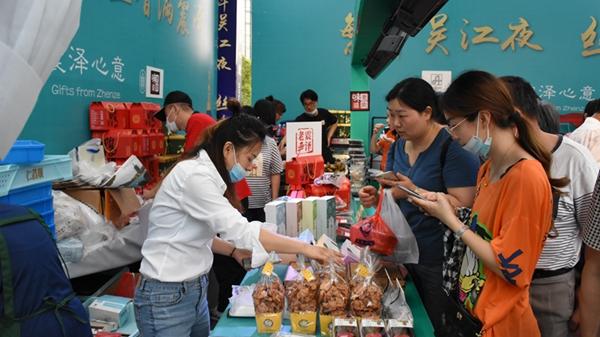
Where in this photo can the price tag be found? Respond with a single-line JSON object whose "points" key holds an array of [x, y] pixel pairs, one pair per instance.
{"points": [[268, 269], [308, 275], [362, 270]]}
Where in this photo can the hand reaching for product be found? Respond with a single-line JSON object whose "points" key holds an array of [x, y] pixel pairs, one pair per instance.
{"points": [[322, 254]]}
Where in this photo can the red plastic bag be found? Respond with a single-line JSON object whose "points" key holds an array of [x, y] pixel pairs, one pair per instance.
{"points": [[374, 232]]}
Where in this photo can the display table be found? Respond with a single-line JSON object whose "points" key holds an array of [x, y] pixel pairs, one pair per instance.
{"points": [[246, 327]]}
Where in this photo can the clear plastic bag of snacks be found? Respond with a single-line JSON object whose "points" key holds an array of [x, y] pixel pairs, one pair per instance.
{"points": [[334, 294], [302, 296], [268, 297], [365, 294]]}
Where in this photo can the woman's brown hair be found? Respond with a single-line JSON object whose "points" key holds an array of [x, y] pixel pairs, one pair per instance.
{"points": [[475, 91]]}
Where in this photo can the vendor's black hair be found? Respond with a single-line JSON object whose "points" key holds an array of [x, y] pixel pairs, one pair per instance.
{"points": [[593, 107], [417, 94], [309, 94], [242, 130], [265, 111], [279, 105], [530, 104]]}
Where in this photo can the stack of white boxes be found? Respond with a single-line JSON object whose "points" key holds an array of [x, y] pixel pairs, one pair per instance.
{"points": [[326, 217], [293, 216], [309, 215], [275, 214]]}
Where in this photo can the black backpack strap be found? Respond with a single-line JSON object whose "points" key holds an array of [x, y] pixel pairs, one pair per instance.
{"points": [[443, 155]]}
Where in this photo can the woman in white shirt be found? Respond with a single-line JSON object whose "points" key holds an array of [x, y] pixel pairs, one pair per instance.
{"points": [[195, 203]]}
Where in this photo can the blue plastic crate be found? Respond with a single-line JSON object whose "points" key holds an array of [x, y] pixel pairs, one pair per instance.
{"points": [[49, 219], [7, 176], [38, 197], [52, 168], [24, 152]]}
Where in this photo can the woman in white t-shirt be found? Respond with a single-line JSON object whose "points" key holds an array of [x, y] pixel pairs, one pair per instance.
{"points": [[195, 203]]}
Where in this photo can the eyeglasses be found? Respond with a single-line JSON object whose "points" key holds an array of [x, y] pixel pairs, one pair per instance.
{"points": [[452, 128]]}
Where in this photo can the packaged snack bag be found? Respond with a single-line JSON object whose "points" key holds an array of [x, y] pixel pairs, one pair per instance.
{"points": [[334, 294], [365, 294], [268, 297], [302, 296]]}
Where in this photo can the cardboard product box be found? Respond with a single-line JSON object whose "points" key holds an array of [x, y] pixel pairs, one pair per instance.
{"points": [[115, 204], [326, 216], [110, 309], [94, 198], [119, 204], [309, 215], [275, 214], [293, 216]]}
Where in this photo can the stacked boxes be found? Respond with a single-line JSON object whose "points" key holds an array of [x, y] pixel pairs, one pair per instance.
{"points": [[326, 216], [309, 215], [293, 216], [275, 214], [128, 129]]}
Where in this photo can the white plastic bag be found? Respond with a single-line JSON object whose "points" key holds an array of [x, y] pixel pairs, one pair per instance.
{"points": [[407, 250], [75, 219]]}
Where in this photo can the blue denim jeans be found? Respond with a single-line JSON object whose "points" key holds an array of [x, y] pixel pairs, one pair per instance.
{"points": [[172, 309]]}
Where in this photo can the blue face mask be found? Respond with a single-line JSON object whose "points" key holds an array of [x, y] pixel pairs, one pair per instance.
{"points": [[237, 172], [478, 147]]}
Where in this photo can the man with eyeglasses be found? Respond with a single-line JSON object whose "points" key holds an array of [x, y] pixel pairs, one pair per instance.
{"points": [[312, 113]]}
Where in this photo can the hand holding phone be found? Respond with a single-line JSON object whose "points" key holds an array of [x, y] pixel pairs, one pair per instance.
{"points": [[411, 192], [389, 175]]}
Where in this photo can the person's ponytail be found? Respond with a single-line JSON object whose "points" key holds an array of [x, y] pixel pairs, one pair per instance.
{"points": [[533, 146]]}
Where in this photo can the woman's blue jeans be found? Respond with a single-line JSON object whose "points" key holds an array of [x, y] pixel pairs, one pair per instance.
{"points": [[172, 309]]}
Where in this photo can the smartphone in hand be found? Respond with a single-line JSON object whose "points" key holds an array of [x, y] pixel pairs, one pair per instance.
{"points": [[389, 175], [411, 192]]}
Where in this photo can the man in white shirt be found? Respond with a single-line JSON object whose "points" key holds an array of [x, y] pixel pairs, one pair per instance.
{"points": [[552, 292], [588, 133]]}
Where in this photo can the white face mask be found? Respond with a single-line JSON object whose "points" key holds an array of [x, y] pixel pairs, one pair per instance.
{"points": [[313, 113], [171, 126]]}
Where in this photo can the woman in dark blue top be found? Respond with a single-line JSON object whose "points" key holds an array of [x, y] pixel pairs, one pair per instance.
{"points": [[425, 159]]}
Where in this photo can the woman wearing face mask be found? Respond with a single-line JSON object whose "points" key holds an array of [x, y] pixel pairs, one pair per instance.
{"points": [[511, 215], [470, 134], [425, 159], [193, 205]]}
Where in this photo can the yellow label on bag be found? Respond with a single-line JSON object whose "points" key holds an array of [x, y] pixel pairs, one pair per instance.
{"points": [[308, 275], [268, 323], [304, 322], [362, 270], [326, 323], [268, 269]]}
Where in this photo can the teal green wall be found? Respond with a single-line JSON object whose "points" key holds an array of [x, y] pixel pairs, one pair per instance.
{"points": [[297, 44], [114, 28]]}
